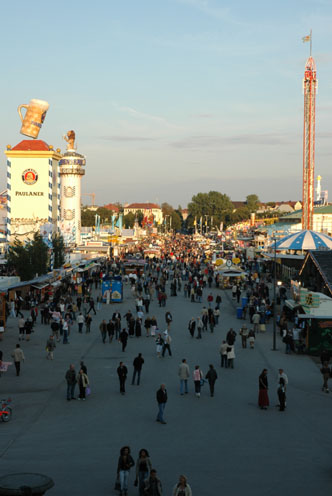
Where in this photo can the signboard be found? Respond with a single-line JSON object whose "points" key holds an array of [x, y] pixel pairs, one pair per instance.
{"points": [[114, 288], [116, 295], [308, 299]]}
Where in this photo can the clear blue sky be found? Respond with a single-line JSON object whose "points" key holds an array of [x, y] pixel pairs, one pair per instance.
{"points": [[172, 97]]}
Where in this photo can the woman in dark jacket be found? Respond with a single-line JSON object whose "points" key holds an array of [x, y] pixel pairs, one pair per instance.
{"points": [[125, 463], [138, 328], [143, 468], [263, 398]]}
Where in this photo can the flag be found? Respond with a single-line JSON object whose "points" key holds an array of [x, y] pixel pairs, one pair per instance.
{"points": [[306, 38]]}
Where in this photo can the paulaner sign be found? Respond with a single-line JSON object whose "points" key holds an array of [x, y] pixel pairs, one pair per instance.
{"points": [[29, 193]]}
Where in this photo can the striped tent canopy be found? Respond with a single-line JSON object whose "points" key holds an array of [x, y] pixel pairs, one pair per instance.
{"points": [[304, 240]]}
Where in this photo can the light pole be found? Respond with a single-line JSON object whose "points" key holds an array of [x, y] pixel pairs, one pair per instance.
{"points": [[274, 348]]}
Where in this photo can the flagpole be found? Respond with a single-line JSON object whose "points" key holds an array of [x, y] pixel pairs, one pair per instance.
{"points": [[310, 42]]}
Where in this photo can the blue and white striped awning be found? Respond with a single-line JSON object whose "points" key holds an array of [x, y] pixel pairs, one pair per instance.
{"points": [[304, 240]]}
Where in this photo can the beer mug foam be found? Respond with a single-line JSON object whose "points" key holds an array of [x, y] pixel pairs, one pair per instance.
{"points": [[34, 117]]}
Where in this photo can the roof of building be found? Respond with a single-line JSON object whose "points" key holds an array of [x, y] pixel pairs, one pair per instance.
{"points": [[238, 204], [297, 214], [143, 206], [323, 261], [111, 206], [32, 145]]}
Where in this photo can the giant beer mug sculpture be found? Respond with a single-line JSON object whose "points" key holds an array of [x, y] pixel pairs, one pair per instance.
{"points": [[34, 117]]}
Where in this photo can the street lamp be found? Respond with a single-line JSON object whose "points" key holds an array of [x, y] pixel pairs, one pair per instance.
{"points": [[274, 348]]}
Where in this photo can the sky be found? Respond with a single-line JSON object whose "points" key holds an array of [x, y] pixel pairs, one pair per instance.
{"points": [[169, 98]]}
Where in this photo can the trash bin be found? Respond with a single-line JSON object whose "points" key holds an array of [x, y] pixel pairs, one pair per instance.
{"points": [[239, 312], [25, 484], [244, 301]]}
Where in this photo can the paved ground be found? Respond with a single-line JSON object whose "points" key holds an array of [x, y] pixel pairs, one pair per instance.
{"points": [[225, 445]]}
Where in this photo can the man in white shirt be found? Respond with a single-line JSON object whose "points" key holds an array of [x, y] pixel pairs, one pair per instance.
{"points": [[282, 375]]}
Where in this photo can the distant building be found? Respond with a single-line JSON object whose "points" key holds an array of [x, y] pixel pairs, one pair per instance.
{"points": [[33, 184], [147, 209], [283, 207], [112, 207], [322, 219]]}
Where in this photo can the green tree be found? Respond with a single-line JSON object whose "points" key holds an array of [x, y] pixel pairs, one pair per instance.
{"points": [[240, 214], [176, 221], [213, 206], [87, 217], [139, 217], [129, 220], [29, 259], [58, 250], [252, 203]]}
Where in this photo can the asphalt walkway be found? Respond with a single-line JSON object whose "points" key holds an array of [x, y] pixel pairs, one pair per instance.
{"points": [[225, 444]]}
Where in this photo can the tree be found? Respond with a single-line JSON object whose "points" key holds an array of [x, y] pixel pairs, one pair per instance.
{"points": [[212, 206], [176, 221], [87, 217], [139, 217], [58, 250], [240, 214], [29, 259], [252, 203], [129, 220], [167, 209]]}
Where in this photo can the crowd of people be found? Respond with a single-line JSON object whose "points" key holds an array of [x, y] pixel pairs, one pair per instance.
{"points": [[182, 273]]}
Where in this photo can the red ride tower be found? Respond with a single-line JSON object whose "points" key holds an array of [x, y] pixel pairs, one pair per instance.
{"points": [[309, 88]]}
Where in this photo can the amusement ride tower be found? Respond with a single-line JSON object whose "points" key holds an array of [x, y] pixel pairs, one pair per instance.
{"points": [[309, 88]]}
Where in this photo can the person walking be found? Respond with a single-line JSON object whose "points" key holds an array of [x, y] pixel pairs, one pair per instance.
{"points": [[282, 394], [256, 318], [80, 322], [168, 318], [159, 345], [161, 396], [123, 337], [326, 373], [147, 325], [19, 357], [143, 470], [110, 330], [184, 374], [122, 374], [152, 485], [223, 354], [231, 336], [92, 306], [230, 356], [138, 364], [263, 398], [88, 320], [199, 328], [50, 347], [182, 488], [244, 335], [21, 328], [211, 376], [167, 344], [125, 463], [283, 375], [103, 330], [71, 382], [251, 339], [83, 382], [192, 326], [198, 377]]}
